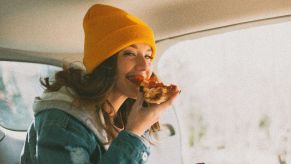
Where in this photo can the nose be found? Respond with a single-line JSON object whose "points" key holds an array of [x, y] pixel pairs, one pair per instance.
{"points": [[142, 64]]}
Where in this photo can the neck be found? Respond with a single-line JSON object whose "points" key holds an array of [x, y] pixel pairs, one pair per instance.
{"points": [[116, 101]]}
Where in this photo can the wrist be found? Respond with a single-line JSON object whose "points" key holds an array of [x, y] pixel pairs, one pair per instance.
{"points": [[142, 138]]}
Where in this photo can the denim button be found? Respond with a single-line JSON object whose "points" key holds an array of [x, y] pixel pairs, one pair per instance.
{"points": [[144, 156]]}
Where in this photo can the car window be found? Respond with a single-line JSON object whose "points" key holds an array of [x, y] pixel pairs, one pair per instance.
{"points": [[168, 144], [236, 90], [19, 84]]}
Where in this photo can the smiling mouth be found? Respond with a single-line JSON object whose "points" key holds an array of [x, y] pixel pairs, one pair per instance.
{"points": [[135, 79]]}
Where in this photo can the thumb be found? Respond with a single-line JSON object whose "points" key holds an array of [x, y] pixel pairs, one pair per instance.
{"points": [[169, 102], [139, 100]]}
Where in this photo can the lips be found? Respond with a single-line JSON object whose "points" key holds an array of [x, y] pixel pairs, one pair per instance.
{"points": [[136, 79]]}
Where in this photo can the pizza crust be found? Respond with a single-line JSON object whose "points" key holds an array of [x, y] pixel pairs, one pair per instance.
{"points": [[155, 92]]}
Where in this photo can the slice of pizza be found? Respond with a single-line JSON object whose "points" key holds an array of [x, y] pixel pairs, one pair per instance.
{"points": [[155, 92]]}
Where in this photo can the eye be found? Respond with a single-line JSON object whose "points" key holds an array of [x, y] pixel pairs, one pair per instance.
{"points": [[129, 53], [149, 57]]}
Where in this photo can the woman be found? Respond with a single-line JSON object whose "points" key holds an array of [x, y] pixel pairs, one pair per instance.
{"points": [[97, 115]]}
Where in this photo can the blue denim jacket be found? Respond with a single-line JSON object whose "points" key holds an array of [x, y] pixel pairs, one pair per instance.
{"points": [[56, 137], [65, 133]]}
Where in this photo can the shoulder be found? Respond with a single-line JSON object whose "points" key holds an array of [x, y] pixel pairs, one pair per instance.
{"points": [[55, 119], [57, 128]]}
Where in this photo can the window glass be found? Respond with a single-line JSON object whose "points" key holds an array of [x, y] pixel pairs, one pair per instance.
{"points": [[236, 95], [19, 84]]}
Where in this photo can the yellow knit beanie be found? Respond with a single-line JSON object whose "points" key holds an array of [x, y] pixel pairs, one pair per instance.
{"points": [[109, 30]]}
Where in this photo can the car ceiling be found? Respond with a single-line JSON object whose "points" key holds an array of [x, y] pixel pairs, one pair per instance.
{"points": [[55, 26]]}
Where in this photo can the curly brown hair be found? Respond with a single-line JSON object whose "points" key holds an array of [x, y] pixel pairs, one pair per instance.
{"points": [[94, 88]]}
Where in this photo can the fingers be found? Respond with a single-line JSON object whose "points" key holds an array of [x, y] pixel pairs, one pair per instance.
{"points": [[139, 101], [159, 108], [173, 97], [165, 105], [140, 98]]}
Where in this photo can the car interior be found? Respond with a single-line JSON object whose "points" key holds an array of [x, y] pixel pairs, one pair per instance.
{"points": [[230, 58]]}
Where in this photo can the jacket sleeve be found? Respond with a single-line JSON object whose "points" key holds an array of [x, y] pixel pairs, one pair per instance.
{"points": [[126, 148], [62, 139]]}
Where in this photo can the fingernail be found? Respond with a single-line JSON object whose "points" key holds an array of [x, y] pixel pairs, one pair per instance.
{"points": [[179, 91]]}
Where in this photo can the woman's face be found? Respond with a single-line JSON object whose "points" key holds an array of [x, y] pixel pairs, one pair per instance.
{"points": [[133, 60]]}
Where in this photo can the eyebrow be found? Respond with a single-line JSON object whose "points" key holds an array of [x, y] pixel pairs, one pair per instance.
{"points": [[134, 46]]}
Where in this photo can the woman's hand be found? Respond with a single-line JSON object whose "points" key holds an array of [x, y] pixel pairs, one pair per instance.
{"points": [[142, 118]]}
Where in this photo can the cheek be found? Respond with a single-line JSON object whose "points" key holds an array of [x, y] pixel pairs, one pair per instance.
{"points": [[124, 66], [126, 88]]}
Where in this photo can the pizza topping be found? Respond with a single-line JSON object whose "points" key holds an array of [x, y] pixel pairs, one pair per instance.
{"points": [[154, 91], [136, 79]]}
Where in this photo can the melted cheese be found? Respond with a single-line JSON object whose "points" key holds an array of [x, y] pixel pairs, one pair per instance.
{"points": [[155, 95]]}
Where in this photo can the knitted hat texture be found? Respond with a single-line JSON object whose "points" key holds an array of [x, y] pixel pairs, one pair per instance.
{"points": [[108, 30]]}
